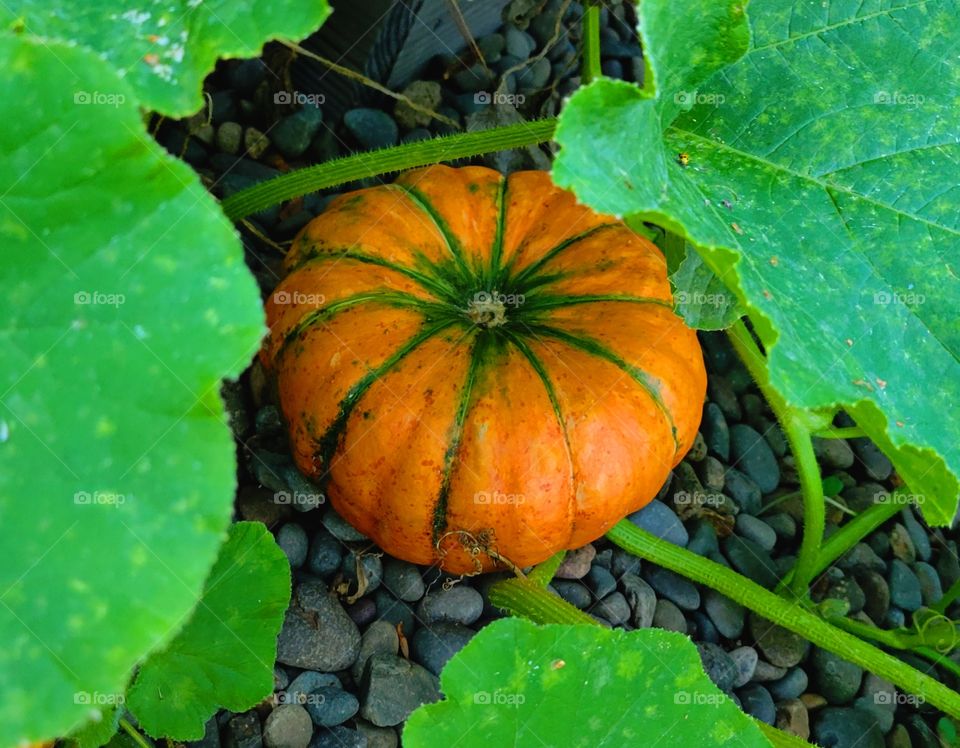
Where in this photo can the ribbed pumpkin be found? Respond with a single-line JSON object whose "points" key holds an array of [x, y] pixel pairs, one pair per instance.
{"points": [[471, 363]]}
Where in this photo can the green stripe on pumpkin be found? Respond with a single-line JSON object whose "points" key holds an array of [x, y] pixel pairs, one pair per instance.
{"points": [[548, 301], [535, 267]]}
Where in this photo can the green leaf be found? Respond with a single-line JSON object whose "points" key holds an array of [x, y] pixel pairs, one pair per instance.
{"points": [[96, 732], [165, 48], [224, 655], [820, 188], [125, 301], [700, 297], [517, 683]]}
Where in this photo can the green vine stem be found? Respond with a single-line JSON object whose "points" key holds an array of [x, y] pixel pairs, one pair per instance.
{"points": [[543, 573], [847, 432], [521, 597], [134, 733], [948, 597], [591, 43], [852, 532], [372, 163], [790, 615], [797, 429]]}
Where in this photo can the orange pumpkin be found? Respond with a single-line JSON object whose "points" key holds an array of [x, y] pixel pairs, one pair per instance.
{"points": [[477, 367]]}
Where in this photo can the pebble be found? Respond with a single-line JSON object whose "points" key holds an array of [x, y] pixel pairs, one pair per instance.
{"points": [[875, 462], [371, 565], [280, 678], [752, 454], [715, 432], [332, 706], [576, 563], [745, 658], [393, 687], [573, 592], [222, 106], [849, 592], [899, 738], [362, 612], [836, 679], [923, 736], [394, 611], [306, 683], [642, 600], [287, 726], [718, 353], [673, 587], [790, 686], [846, 728], [756, 530], [919, 536], [325, 554], [765, 672], [246, 75], [378, 737], [703, 628], [894, 619], [711, 472], [783, 524], [699, 449], [243, 731], [704, 539], [744, 490], [792, 717], [294, 133], [658, 519], [882, 716], [667, 616], [863, 496], [718, 665], [778, 645], [402, 579], [613, 608], [880, 543], [255, 142], [902, 545], [930, 589], [229, 137], [720, 392], [292, 540], [834, 453], [474, 78], [459, 604], [338, 737], [317, 633], [756, 701], [340, 528], [519, 43], [371, 128], [904, 586], [379, 638], [726, 615], [427, 94], [604, 558], [624, 563], [432, 646], [600, 581], [948, 564], [751, 560]]}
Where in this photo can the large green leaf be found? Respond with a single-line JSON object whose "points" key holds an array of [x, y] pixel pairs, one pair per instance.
{"points": [[224, 655], [164, 48], [517, 683], [125, 301], [821, 188]]}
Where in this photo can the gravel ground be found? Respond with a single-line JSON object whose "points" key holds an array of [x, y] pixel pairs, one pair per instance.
{"points": [[377, 653]]}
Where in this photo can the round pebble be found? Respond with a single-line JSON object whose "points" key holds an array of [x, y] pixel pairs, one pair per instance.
{"points": [[288, 726], [332, 706], [459, 604], [371, 128], [658, 519], [292, 540], [745, 658], [790, 686], [756, 701], [726, 615], [904, 586], [433, 646], [673, 587], [756, 530], [751, 454], [846, 728]]}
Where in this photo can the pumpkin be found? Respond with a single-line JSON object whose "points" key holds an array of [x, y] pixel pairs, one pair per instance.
{"points": [[478, 368]]}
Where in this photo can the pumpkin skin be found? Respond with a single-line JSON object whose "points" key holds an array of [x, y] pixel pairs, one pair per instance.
{"points": [[473, 363]]}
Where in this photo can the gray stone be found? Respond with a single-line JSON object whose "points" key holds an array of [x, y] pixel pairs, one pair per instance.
{"points": [[756, 530], [752, 454], [371, 567], [836, 679], [834, 453], [767, 673], [338, 737], [718, 665], [875, 462], [658, 519], [746, 659], [751, 560], [642, 600], [783, 524], [229, 137], [793, 718], [726, 615], [613, 608], [756, 701], [340, 528], [780, 646], [715, 431], [332, 706], [378, 737], [624, 563], [790, 686], [394, 611], [317, 633], [919, 536], [371, 128], [720, 392], [379, 638], [845, 728], [703, 541], [292, 540], [902, 545], [393, 687], [600, 581], [293, 134], [403, 580], [930, 589], [459, 604], [427, 94], [882, 716], [576, 563], [862, 557], [667, 616], [711, 473], [904, 587], [573, 592], [287, 726], [673, 587], [243, 731], [519, 43], [433, 646], [744, 490]]}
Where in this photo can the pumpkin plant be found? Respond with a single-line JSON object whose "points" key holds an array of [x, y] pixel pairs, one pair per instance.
{"points": [[463, 365]]}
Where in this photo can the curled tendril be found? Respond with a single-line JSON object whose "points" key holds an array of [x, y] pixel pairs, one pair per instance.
{"points": [[475, 545], [933, 631]]}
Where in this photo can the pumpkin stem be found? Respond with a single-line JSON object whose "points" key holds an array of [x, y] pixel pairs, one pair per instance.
{"points": [[487, 309]]}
